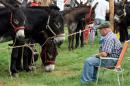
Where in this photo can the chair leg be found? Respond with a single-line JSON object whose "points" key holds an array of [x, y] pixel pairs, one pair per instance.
{"points": [[98, 73], [97, 77], [118, 77], [122, 74], [103, 73], [122, 77], [118, 72]]}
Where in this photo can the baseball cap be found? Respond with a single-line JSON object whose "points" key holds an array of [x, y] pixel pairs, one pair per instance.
{"points": [[105, 24]]}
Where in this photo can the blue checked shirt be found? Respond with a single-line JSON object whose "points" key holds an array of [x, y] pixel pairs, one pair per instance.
{"points": [[111, 45]]}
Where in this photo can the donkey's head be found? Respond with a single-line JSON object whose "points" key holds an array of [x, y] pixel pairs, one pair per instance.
{"points": [[119, 11], [48, 55], [17, 19]]}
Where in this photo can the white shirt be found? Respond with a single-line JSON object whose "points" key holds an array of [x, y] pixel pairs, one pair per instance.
{"points": [[116, 1], [101, 9], [60, 4], [83, 1]]}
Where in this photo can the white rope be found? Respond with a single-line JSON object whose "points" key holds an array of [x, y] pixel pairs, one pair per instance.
{"points": [[26, 45]]}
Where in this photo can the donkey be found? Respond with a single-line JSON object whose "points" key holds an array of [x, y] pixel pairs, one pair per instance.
{"points": [[44, 20], [72, 18], [121, 20]]}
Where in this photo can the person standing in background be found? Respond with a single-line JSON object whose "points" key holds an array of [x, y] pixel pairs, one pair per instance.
{"points": [[102, 8]]}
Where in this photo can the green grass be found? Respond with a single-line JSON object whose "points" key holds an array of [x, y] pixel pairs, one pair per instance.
{"points": [[67, 72]]}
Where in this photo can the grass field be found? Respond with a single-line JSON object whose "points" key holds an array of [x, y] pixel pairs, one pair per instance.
{"points": [[68, 69]]}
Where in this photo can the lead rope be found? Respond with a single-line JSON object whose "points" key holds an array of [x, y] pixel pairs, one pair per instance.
{"points": [[32, 60]]}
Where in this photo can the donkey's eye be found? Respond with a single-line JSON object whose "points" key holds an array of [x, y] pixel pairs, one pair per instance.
{"points": [[16, 21]]}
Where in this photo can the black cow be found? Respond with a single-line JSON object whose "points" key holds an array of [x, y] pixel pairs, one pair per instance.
{"points": [[37, 21]]}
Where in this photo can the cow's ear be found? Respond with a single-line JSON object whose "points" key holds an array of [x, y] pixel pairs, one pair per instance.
{"points": [[9, 6]]}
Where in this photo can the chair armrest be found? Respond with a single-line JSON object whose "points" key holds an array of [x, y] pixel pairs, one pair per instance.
{"points": [[108, 58]]}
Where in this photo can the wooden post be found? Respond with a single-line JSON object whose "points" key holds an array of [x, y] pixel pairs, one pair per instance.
{"points": [[111, 5], [124, 1]]}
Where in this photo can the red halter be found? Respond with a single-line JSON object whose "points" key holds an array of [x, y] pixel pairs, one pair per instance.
{"points": [[89, 17], [15, 28], [45, 58]]}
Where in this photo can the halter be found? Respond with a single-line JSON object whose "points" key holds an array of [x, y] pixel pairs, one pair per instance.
{"points": [[121, 15], [15, 28], [48, 26], [124, 12], [89, 16], [47, 61]]}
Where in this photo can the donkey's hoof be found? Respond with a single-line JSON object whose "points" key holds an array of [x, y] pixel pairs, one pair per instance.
{"points": [[32, 68], [16, 75]]}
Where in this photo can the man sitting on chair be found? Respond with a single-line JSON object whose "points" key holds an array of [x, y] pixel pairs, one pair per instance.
{"points": [[110, 47]]}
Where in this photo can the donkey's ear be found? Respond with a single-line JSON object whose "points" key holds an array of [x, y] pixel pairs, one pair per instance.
{"points": [[7, 5], [95, 6]]}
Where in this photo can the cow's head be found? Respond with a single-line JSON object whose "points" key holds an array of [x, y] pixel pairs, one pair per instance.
{"points": [[119, 11], [17, 19]]}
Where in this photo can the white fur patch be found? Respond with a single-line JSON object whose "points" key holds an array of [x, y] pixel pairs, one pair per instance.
{"points": [[50, 68], [60, 37], [20, 34], [116, 18], [2, 39]]}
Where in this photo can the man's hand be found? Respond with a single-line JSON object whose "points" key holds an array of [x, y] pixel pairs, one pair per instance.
{"points": [[101, 54], [97, 56]]}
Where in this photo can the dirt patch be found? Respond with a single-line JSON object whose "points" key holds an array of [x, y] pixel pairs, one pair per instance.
{"points": [[2, 84], [62, 73]]}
